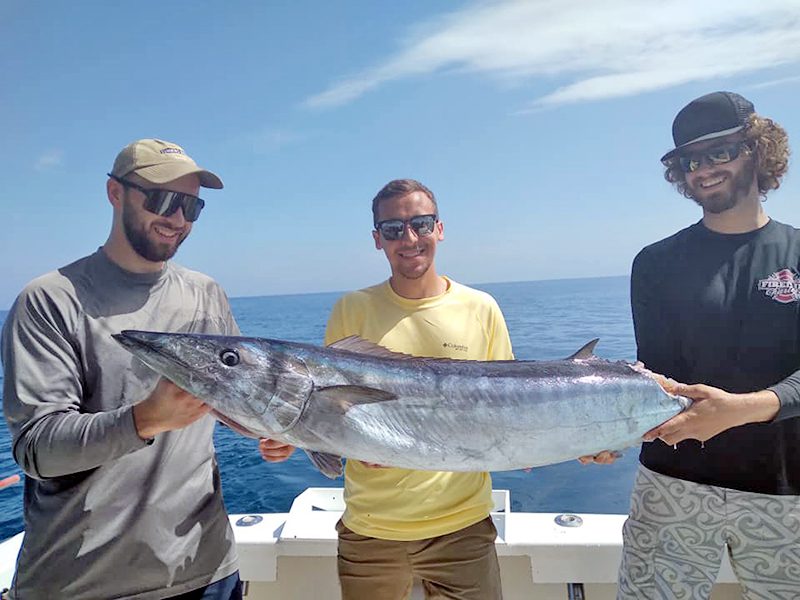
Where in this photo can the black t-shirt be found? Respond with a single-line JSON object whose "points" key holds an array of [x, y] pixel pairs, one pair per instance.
{"points": [[724, 310]]}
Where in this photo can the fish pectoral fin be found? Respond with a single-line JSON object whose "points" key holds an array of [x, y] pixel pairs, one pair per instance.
{"points": [[329, 465], [586, 352], [346, 396], [359, 345]]}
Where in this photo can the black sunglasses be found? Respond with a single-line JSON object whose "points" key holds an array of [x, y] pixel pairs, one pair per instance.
{"points": [[165, 202], [393, 229], [716, 155]]}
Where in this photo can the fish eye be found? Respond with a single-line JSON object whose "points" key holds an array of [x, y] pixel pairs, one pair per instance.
{"points": [[229, 358]]}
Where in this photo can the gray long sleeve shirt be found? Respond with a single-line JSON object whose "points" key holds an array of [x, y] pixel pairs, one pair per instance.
{"points": [[108, 515]]}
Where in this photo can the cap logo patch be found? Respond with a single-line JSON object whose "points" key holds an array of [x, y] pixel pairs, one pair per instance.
{"points": [[782, 286], [171, 151]]}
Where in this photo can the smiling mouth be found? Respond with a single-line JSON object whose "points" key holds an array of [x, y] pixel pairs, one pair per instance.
{"points": [[709, 183], [411, 253], [167, 232]]}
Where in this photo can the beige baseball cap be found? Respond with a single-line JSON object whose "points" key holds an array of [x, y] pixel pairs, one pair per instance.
{"points": [[158, 161]]}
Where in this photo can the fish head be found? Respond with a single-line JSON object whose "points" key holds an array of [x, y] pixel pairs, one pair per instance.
{"points": [[244, 380]]}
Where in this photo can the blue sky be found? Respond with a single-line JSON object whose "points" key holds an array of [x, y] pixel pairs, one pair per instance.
{"points": [[538, 125]]}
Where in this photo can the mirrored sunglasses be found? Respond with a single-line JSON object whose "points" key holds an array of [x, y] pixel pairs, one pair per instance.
{"points": [[393, 229], [165, 202], [717, 155]]}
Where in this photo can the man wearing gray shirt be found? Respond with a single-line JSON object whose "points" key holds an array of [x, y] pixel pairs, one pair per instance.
{"points": [[122, 491]]}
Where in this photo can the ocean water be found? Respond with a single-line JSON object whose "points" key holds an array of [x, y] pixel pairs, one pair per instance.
{"points": [[546, 320]]}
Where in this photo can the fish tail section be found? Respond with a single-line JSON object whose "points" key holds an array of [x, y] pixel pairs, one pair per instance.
{"points": [[667, 384], [670, 386]]}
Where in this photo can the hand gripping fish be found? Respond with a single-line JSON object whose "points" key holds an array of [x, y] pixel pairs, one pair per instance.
{"points": [[358, 400]]}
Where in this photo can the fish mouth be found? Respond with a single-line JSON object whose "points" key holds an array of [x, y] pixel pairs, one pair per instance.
{"points": [[234, 425], [144, 344], [151, 349]]}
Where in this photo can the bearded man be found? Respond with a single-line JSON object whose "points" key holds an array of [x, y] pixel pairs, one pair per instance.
{"points": [[716, 307], [122, 491]]}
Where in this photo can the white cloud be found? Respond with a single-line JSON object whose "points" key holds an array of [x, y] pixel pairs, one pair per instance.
{"points": [[602, 48], [774, 82], [49, 160]]}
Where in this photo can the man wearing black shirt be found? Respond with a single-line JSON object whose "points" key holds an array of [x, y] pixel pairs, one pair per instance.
{"points": [[717, 307]]}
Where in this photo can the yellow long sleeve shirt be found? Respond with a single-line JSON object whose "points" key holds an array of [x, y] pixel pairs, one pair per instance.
{"points": [[463, 323]]}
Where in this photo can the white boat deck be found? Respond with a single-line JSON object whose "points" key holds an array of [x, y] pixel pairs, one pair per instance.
{"points": [[293, 555]]}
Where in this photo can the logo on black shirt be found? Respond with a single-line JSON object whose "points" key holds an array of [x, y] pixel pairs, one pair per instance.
{"points": [[782, 286]]}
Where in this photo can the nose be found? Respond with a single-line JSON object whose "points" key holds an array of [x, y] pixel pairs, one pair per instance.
{"points": [[409, 232], [703, 163], [177, 219]]}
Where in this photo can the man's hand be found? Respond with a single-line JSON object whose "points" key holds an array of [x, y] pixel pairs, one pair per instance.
{"points": [[712, 412], [167, 407], [606, 457], [274, 451]]}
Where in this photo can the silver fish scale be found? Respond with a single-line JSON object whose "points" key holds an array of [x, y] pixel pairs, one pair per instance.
{"points": [[493, 422]]}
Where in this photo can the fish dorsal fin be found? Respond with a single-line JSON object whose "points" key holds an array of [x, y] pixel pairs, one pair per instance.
{"points": [[358, 344], [586, 352]]}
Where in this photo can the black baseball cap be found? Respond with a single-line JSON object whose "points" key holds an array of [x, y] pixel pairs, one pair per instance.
{"points": [[711, 116]]}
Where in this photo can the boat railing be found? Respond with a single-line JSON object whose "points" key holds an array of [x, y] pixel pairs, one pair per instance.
{"points": [[548, 549]]}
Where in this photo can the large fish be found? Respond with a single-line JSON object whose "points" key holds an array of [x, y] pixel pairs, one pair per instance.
{"points": [[358, 400]]}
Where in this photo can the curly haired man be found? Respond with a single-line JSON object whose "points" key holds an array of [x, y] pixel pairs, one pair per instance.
{"points": [[716, 306]]}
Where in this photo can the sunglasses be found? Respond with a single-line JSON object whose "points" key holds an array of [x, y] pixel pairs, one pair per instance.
{"points": [[393, 229], [717, 155], [165, 202]]}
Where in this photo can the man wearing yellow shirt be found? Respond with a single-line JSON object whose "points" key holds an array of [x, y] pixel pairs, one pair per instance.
{"points": [[400, 523]]}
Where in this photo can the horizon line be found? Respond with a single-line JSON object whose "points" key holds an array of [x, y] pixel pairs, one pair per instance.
{"points": [[277, 295], [468, 284]]}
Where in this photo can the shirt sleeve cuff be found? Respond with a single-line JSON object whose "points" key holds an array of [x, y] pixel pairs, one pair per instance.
{"points": [[132, 438], [789, 396]]}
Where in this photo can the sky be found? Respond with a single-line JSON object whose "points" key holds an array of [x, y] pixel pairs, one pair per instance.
{"points": [[538, 124]]}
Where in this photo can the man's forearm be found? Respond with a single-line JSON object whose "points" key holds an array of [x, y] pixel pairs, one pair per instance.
{"points": [[64, 443], [758, 407]]}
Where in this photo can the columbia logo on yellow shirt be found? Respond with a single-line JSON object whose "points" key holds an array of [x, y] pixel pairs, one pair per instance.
{"points": [[456, 347]]}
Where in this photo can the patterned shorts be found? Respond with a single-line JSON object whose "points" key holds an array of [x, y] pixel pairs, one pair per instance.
{"points": [[677, 531]]}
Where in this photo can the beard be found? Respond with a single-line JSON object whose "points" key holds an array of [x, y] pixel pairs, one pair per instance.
{"points": [[142, 244], [414, 274], [718, 202], [414, 271]]}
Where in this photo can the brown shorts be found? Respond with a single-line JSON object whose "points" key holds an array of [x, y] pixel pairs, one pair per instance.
{"points": [[458, 566]]}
